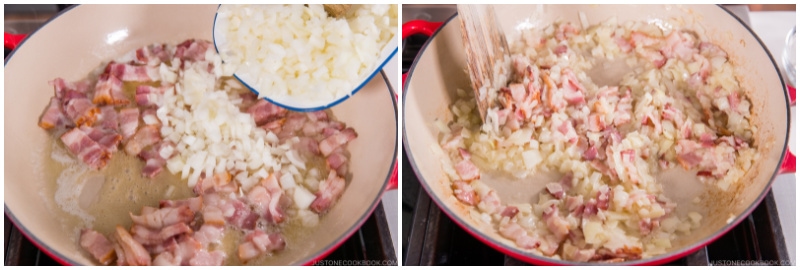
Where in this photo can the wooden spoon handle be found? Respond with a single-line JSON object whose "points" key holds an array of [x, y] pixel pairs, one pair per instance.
{"points": [[486, 50]]}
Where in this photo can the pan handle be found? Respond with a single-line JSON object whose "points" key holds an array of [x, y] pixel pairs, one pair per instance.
{"points": [[789, 160], [419, 27], [11, 41]]}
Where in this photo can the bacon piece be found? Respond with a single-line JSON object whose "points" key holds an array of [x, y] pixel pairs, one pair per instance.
{"points": [[239, 214], [156, 157], [639, 38], [560, 49], [109, 119], [509, 211], [64, 89], [338, 139], [711, 50], [337, 161], [275, 211], [565, 31], [152, 55], [81, 111], [134, 253], [622, 114], [686, 153], [132, 73], [53, 116], [105, 138], [166, 259], [623, 44], [602, 198], [258, 243], [212, 215], [733, 100], [108, 91], [147, 95], [97, 245], [679, 45], [329, 190], [128, 122], [204, 258], [555, 223], [514, 231], [555, 189], [147, 236], [574, 204], [193, 50], [220, 183], [491, 203], [653, 56], [144, 137], [465, 193], [264, 112], [573, 90], [194, 203], [317, 116], [209, 234], [164, 217], [590, 153], [86, 149]]}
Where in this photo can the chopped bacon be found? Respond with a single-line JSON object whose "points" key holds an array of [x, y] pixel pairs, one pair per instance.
{"points": [[465, 193], [239, 215], [510, 211], [555, 189], [53, 116], [264, 112], [152, 55], [108, 139], [338, 139], [337, 161], [164, 217], [220, 182], [590, 153], [144, 137], [329, 190], [645, 226], [86, 149], [128, 122], [278, 202], [514, 231], [147, 236], [209, 234], [627, 157], [206, 258], [707, 139], [622, 114], [565, 31], [733, 100], [560, 49], [679, 45], [639, 38], [686, 153], [108, 90], [623, 44], [602, 198], [574, 204], [81, 111], [567, 130], [258, 243], [63, 89], [582, 255], [573, 90], [134, 253], [194, 203], [166, 259], [491, 203], [212, 215], [590, 208], [109, 119], [711, 50], [555, 223], [317, 116], [467, 170], [132, 73], [147, 95], [193, 50], [655, 57], [294, 122], [97, 245]]}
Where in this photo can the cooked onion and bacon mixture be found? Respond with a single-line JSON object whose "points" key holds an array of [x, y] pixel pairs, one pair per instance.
{"points": [[252, 165], [678, 106]]}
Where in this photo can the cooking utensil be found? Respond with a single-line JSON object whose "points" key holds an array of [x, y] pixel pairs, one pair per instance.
{"points": [[299, 104], [487, 52], [438, 71], [107, 32]]}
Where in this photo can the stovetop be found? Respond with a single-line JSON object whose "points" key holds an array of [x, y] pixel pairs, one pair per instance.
{"points": [[432, 238], [371, 244]]}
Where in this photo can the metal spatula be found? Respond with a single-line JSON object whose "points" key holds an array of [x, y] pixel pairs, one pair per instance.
{"points": [[487, 52]]}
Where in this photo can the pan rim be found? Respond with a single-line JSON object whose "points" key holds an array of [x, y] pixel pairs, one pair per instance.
{"points": [[65, 260], [660, 259]]}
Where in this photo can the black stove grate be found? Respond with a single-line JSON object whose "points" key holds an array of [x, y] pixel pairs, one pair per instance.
{"points": [[371, 243]]}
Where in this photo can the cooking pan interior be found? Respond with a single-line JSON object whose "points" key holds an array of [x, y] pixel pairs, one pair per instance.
{"points": [[440, 69], [77, 42]]}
